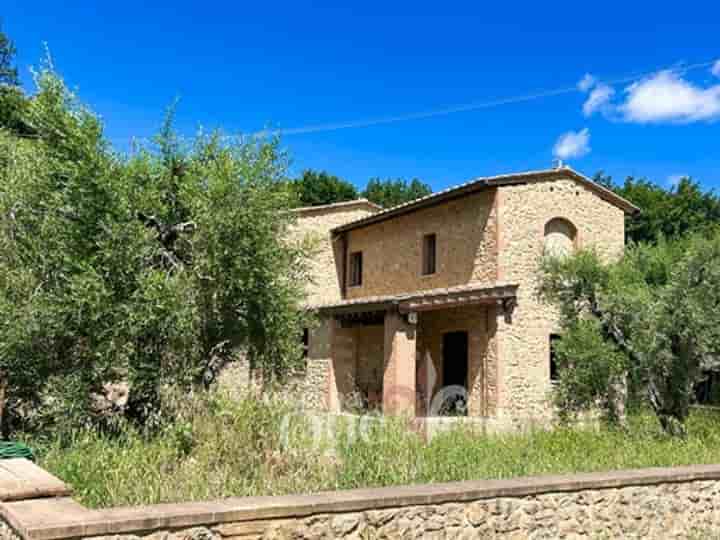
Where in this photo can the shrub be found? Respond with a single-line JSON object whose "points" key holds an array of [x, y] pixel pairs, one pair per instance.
{"points": [[149, 270]]}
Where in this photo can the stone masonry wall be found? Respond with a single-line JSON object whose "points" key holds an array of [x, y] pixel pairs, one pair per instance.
{"points": [[682, 502], [315, 224], [654, 512], [308, 387], [392, 249], [523, 344]]}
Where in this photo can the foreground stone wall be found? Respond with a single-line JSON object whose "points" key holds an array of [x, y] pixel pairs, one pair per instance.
{"points": [[681, 502]]}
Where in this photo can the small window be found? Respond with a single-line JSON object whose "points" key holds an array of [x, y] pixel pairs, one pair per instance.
{"points": [[554, 371], [560, 237], [306, 342], [429, 254], [356, 268]]}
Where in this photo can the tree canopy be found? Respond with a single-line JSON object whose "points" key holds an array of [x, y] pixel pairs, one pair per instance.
{"points": [[14, 107], [8, 70], [315, 188], [391, 192], [668, 212], [151, 270], [651, 319]]}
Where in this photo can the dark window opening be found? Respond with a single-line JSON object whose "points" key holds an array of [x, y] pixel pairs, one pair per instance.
{"points": [[305, 342], [554, 370], [455, 374], [429, 254], [356, 268], [707, 391]]}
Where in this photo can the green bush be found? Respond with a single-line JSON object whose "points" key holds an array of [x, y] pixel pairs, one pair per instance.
{"points": [[147, 270]]}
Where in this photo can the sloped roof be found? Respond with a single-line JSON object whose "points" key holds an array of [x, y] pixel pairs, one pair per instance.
{"points": [[425, 299], [344, 205], [487, 182]]}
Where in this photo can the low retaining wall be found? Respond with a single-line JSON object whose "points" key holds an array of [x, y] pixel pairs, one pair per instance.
{"points": [[682, 502]]}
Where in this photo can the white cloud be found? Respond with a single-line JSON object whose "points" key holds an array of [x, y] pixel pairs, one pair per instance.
{"points": [[715, 70], [572, 144], [586, 83], [666, 97], [598, 99]]}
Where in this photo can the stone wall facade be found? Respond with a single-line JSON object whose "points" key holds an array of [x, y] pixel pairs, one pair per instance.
{"points": [[496, 235], [681, 502], [524, 343], [493, 236], [392, 250], [314, 225]]}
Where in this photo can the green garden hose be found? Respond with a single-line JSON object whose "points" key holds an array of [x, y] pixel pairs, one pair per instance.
{"points": [[9, 450]]}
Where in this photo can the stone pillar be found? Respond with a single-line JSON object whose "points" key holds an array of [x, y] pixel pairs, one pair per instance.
{"points": [[341, 380], [400, 366], [491, 366]]}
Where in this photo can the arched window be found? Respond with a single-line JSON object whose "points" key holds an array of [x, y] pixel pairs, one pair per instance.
{"points": [[560, 237]]}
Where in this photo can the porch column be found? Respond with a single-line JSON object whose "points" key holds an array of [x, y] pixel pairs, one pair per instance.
{"points": [[341, 366], [399, 374]]}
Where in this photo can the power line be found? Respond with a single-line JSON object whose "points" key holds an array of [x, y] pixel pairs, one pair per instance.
{"points": [[467, 107], [472, 106]]}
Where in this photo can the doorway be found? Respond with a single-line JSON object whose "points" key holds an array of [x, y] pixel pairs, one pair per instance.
{"points": [[455, 373]]}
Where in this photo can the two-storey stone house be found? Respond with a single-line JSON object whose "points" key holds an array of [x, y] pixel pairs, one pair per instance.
{"points": [[442, 291]]}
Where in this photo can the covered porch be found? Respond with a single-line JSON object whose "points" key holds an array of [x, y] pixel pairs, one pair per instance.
{"points": [[431, 353]]}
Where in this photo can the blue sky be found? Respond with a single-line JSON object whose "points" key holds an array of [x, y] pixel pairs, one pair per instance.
{"points": [[244, 66]]}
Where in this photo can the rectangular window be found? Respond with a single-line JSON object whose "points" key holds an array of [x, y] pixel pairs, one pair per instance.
{"points": [[554, 371], [306, 342], [356, 268], [429, 254]]}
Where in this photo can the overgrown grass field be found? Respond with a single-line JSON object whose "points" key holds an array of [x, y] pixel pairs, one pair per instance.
{"points": [[221, 448]]}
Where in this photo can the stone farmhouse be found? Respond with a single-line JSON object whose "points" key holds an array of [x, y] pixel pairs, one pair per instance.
{"points": [[442, 292]]}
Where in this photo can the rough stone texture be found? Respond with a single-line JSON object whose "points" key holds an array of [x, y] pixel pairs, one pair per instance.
{"points": [[234, 379], [679, 502], [689, 510], [496, 235], [524, 210], [392, 250], [308, 387], [196, 533], [314, 225]]}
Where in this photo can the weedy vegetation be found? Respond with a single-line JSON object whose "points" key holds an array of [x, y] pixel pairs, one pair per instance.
{"points": [[221, 448]]}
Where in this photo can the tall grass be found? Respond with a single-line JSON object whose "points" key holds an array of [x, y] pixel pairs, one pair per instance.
{"points": [[220, 448]]}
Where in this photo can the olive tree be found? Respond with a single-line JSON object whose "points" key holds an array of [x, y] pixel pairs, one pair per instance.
{"points": [[652, 318], [149, 270]]}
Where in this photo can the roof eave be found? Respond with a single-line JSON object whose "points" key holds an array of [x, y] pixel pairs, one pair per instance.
{"points": [[339, 206], [485, 183]]}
